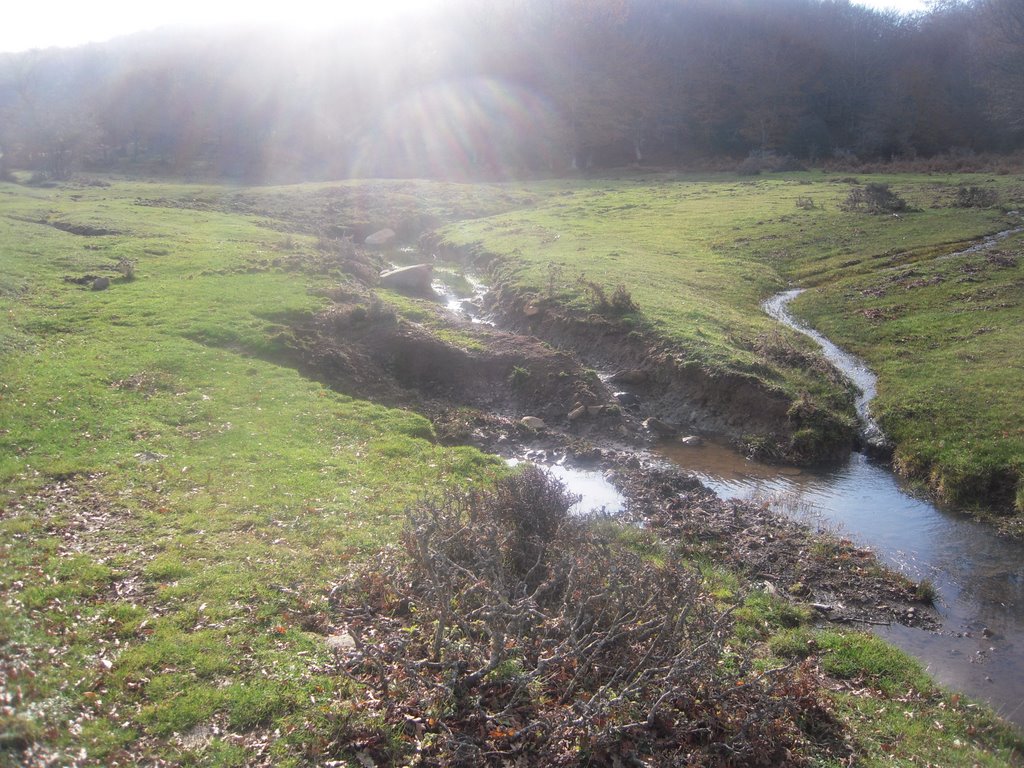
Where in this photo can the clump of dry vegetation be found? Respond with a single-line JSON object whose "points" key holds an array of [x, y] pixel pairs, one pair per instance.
{"points": [[874, 198], [510, 631]]}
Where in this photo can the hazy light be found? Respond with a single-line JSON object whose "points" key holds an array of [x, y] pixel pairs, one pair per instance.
{"points": [[900, 6], [64, 23], [72, 22]]}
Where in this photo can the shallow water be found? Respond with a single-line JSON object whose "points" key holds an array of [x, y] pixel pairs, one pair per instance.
{"points": [[978, 575], [461, 306], [595, 491]]}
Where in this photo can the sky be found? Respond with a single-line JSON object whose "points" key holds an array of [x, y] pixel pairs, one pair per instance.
{"points": [[63, 23]]}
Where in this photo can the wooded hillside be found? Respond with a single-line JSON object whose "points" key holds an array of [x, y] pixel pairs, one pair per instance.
{"points": [[502, 88]]}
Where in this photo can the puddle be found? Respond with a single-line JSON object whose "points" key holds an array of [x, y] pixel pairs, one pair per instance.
{"points": [[593, 488]]}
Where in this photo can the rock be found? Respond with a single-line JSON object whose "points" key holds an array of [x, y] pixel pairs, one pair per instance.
{"points": [[380, 237], [691, 440], [659, 428], [627, 399], [532, 422], [342, 642], [634, 376], [595, 410], [101, 283], [148, 457], [577, 413], [414, 278]]}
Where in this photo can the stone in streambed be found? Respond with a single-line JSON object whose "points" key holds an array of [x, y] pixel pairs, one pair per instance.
{"points": [[659, 428]]}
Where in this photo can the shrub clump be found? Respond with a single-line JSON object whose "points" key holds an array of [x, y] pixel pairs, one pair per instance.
{"points": [[874, 198], [975, 197], [618, 304], [508, 632]]}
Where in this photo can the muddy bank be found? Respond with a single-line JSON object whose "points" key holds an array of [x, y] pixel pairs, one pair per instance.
{"points": [[479, 390], [760, 420]]}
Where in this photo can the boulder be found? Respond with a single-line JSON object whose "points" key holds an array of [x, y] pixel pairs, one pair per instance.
{"points": [[691, 440], [577, 412], [342, 642], [380, 237], [101, 283], [532, 422], [659, 428], [415, 278]]}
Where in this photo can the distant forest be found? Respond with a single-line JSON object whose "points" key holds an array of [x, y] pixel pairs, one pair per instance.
{"points": [[505, 88]]}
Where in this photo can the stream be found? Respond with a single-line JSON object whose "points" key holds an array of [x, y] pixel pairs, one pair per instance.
{"points": [[978, 575]]}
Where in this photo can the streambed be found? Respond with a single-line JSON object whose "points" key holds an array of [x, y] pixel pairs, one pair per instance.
{"points": [[978, 575]]}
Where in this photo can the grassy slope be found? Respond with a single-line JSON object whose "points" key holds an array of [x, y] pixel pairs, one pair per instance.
{"points": [[240, 491], [698, 256], [176, 507]]}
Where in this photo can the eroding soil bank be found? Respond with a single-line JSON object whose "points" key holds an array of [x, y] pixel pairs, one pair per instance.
{"points": [[746, 410], [477, 389]]}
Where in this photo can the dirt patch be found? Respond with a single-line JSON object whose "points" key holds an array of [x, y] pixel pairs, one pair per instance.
{"points": [[366, 350], [741, 409], [84, 230], [842, 582]]}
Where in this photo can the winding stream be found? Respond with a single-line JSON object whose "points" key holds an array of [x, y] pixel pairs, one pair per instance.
{"points": [[979, 576]]}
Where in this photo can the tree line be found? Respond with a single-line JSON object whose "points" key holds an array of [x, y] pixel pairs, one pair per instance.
{"points": [[513, 87]]}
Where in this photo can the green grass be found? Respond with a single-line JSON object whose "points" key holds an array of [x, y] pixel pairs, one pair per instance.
{"points": [[215, 495], [177, 502], [943, 335], [698, 256]]}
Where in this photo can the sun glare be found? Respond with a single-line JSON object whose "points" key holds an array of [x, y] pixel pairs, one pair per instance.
{"points": [[71, 22]]}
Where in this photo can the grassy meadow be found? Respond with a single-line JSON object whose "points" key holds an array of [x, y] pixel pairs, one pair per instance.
{"points": [[698, 256], [177, 502]]}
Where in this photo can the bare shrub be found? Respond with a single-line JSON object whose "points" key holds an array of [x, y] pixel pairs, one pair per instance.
{"points": [[805, 203], [619, 303], [514, 633], [975, 197], [874, 198]]}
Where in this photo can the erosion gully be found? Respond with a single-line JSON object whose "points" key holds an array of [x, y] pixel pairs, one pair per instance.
{"points": [[978, 575]]}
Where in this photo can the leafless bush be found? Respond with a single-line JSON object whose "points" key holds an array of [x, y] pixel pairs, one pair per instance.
{"points": [[620, 303], [975, 197], [805, 203], [874, 198], [513, 633]]}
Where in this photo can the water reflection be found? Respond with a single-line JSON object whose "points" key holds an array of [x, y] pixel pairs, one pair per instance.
{"points": [[595, 491], [978, 575]]}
